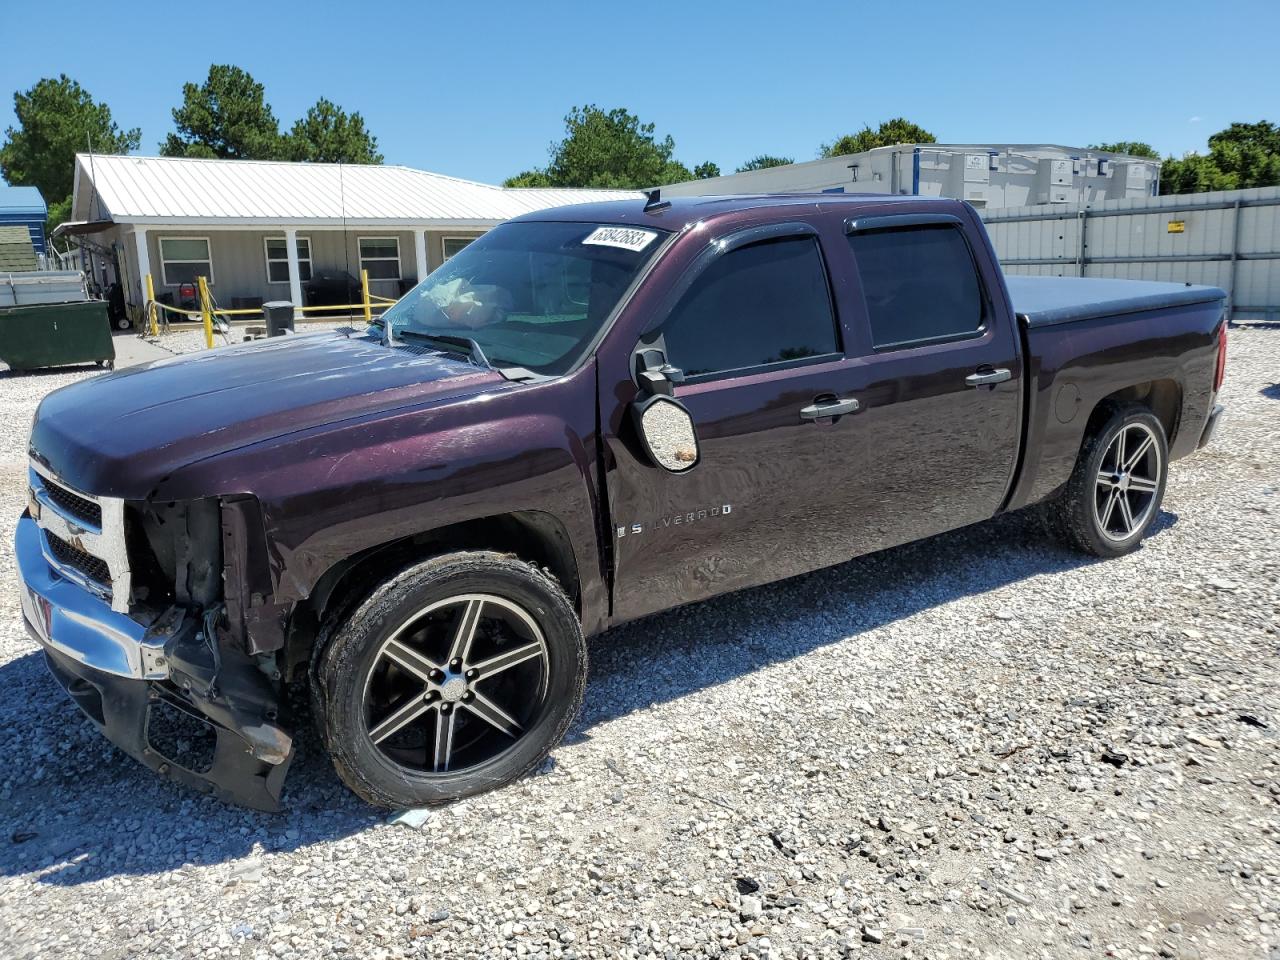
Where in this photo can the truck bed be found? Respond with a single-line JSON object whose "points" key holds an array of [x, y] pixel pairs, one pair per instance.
{"points": [[1043, 301]]}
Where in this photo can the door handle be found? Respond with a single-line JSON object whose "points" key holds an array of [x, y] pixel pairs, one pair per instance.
{"points": [[828, 408], [986, 378]]}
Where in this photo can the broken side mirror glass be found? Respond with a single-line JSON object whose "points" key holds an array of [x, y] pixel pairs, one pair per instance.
{"points": [[667, 430]]}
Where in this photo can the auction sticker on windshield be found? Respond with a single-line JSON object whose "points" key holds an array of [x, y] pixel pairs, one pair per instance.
{"points": [[626, 238]]}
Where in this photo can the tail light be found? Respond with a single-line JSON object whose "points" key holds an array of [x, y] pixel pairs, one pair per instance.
{"points": [[1222, 357]]}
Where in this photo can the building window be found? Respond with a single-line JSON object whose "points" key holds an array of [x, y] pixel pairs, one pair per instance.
{"points": [[182, 259], [454, 245], [278, 259], [381, 257]]}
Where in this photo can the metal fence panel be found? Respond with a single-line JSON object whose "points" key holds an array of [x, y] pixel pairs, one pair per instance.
{"points": [[1228, 239]]}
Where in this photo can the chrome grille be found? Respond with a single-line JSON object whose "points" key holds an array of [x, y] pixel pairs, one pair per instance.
{"points": [[83, 536], [74, 505], [95, 568]]}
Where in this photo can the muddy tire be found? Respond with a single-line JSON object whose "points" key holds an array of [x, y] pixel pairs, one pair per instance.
{"points": [[458, 675], [1117, 485]]}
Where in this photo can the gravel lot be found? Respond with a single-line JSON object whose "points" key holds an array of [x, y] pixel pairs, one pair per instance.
{"points": [[979, 746]]}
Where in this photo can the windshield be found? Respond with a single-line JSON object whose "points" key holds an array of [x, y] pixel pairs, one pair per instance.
{"points": [[530, 295]]}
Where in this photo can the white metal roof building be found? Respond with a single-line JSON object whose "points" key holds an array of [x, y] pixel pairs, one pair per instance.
{"points": [[986, 175], [172, 190], [263, 229]]}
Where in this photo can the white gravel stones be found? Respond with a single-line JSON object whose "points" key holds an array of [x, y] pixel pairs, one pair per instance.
{"points": [[868, 761]]}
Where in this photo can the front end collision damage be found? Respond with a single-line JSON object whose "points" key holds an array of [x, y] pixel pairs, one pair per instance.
{"points": [[198, 588], [331, 505], [126, 711]]}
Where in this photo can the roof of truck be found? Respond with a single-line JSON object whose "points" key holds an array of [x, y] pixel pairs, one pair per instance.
{"points": [[679, 212]]}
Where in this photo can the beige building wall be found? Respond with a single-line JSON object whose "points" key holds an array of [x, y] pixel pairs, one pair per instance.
{"points": [[239, 261]]}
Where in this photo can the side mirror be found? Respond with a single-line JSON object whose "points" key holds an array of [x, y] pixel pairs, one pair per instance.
{"points": [[667, 430], [656, 376]]}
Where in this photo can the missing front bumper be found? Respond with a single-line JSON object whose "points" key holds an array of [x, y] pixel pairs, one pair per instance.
{"points": [[125, 676], [125, 710]]}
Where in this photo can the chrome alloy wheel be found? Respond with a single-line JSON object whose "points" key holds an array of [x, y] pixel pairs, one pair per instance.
{"points": [[457, 684], [1127, 483]]}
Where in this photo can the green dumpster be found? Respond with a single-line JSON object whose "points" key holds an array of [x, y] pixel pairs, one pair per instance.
{"points": [[54, 334]]}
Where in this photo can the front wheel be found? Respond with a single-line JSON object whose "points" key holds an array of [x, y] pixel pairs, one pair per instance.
{"points": [[1114, 493], [453, 678]]}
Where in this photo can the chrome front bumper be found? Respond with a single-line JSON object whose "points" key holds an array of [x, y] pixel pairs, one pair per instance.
{"points": [[65, 617]]}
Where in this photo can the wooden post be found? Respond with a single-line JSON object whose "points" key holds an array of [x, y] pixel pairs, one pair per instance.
{"points": [[364, 293], [205, 314]]}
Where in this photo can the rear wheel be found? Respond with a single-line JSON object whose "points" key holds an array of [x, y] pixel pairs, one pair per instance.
{"points": [[1115, 491], [457, 676]]}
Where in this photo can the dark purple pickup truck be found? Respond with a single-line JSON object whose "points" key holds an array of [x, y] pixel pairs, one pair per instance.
{"points": [[589, 415]]}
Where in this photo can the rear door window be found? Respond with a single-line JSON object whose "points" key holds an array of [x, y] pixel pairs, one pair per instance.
{"points": [[756, 306], [920, 285]]}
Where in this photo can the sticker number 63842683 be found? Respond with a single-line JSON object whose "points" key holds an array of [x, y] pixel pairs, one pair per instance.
{"points": [[626, 238]]}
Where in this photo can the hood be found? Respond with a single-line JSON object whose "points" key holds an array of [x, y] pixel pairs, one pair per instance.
{"points": [[120, 434]]}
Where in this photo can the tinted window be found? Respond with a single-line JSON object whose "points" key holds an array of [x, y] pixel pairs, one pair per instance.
{"points": [[766, 303], [919, 284]]}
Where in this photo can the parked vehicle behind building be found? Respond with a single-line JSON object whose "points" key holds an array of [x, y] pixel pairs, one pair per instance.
{"points": [[588, 415]]}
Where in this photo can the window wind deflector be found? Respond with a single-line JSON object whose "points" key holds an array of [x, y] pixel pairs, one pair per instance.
{"points": [[762, 233], [896, 221], [464, 345]]}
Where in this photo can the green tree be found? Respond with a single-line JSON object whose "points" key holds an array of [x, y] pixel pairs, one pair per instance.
{"points": [[1132, 148], [56, 120], [888, 134], [705, 171], [1194, 173], [328, 134], [529, 178], [610, 149], [1249, 153], [227, 117], [763, 162], [1243, 155]]}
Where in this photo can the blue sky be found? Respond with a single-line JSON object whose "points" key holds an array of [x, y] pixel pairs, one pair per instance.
{"points": [[479, 89]]}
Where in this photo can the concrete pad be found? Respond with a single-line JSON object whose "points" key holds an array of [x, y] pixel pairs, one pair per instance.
{"points": [[132, 350]]}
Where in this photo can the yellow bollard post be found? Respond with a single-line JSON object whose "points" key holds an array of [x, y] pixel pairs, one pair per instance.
{"points": [[205, 315], [151, 308], [364, 292]]}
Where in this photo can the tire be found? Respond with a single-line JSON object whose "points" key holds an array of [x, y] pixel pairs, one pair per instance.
{"points": [[390, 701], [1106, 510]]}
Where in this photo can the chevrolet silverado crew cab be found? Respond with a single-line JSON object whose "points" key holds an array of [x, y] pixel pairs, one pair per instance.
{"points": [[588, 415]]}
